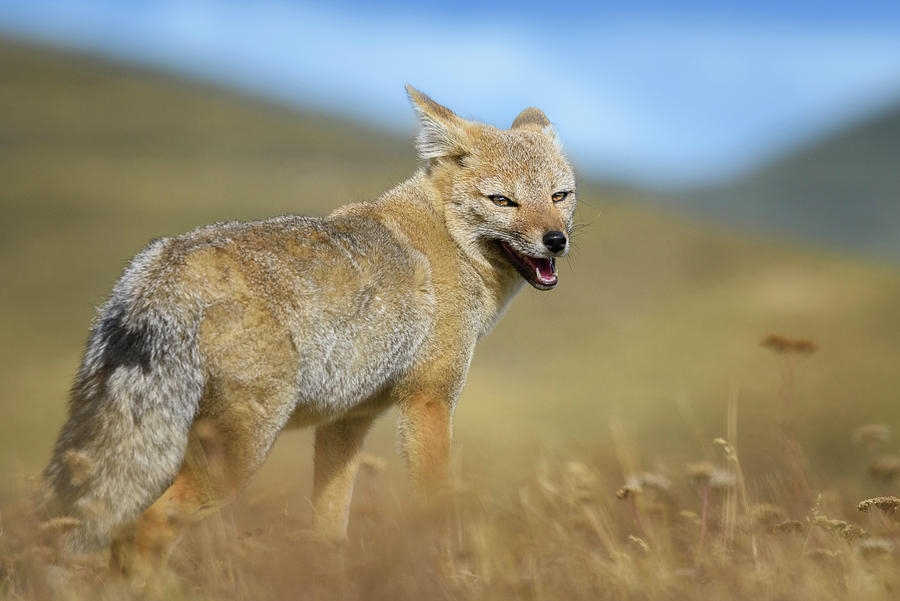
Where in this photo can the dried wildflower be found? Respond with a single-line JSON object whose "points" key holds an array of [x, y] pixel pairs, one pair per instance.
{"points": [[788, 527], [629, 492], [875, 547], [700, 472], [871, 435], [845, 530], [783, 344], [885, 467], [888, 505], [80, 466]]}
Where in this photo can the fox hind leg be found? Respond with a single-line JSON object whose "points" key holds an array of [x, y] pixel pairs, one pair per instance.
{"points": [[147, 544], [224, 452]]}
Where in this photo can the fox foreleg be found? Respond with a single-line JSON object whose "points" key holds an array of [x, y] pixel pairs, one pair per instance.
{"points": [[425, 433], [337, 449]]}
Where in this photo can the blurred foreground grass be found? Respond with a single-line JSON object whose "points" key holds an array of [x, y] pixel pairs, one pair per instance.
{"points": [[632, 366]]}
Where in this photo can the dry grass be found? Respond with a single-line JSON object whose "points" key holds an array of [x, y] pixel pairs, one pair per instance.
{"points": [[573, 529], [705, 531]]}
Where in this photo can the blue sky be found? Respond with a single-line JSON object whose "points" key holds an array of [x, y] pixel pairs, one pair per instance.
{"points": [[656, 92]]}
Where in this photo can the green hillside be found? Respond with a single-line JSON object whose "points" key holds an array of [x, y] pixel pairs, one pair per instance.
{"points": [[842, 190], [657, 321]]}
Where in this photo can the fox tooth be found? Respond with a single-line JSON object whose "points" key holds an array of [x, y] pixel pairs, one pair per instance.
{"points": [[537, 270]]}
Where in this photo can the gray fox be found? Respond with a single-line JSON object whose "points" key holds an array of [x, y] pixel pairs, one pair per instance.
{"points": [[214, 341]]}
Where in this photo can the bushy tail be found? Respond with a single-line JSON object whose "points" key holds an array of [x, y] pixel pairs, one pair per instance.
{"points": [[131, 406]]}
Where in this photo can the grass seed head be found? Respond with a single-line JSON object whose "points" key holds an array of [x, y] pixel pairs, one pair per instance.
{"points": [[639, 542], [888, 505], [729, 451], [845, 530], [629, 491]]}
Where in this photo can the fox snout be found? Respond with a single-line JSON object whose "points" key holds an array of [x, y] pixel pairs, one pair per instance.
{"points": [[555, 241]]}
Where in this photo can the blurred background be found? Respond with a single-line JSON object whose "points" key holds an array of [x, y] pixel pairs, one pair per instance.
{"points": [[739, 169]]}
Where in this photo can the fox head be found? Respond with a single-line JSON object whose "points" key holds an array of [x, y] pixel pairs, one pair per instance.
{"points": [[509, 194]]}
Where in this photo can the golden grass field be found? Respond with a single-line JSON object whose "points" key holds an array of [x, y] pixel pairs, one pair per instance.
{"points": [[585, 465]]}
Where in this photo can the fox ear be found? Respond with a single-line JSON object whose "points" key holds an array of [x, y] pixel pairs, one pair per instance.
{"points": [[534, 119], [444, 134]]}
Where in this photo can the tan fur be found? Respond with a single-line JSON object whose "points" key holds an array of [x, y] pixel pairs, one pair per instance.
{"points": [[296, 322]]}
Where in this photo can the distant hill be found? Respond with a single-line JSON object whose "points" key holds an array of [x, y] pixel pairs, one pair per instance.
{"points": [[843, 190]]}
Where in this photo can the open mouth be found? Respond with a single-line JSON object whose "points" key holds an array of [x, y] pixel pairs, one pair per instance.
{"points": [[540, 272]]}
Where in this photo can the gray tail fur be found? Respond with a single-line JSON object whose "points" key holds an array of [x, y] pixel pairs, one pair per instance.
{"points": [[131, 406]]}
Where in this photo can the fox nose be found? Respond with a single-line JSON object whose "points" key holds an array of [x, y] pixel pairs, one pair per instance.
{"points": [[555, 241]]}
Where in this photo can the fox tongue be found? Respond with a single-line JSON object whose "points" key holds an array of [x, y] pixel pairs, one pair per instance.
{"points": [[543, 269]]}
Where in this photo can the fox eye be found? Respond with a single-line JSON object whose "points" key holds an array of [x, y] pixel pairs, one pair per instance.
{"points": [[502, 201], [560, 196]]}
